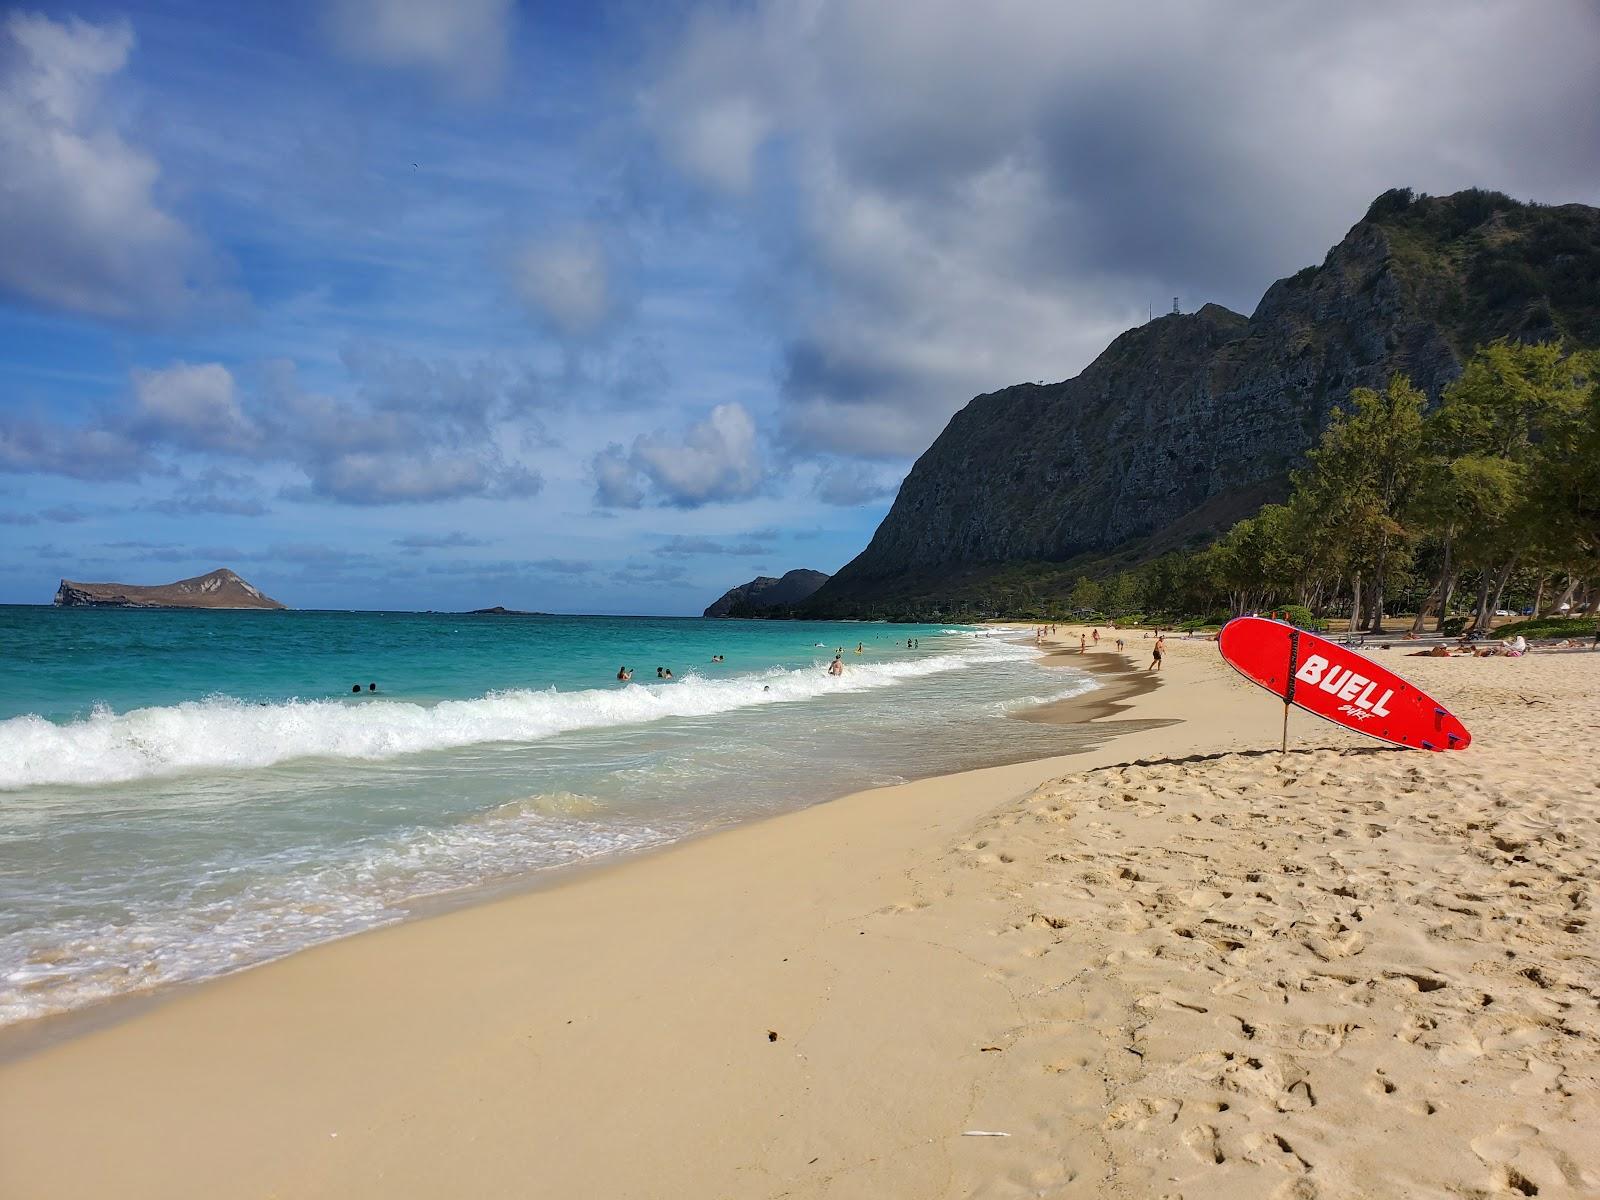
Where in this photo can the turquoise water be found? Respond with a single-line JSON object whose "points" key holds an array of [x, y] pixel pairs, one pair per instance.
{"points": [[186, 793]]}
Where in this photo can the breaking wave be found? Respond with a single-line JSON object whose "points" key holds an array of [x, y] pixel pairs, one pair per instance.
{"points": [[222, 733]]}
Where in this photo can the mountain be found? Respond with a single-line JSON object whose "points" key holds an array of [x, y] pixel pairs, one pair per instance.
{"points": [[1190, 422], [217, 589], [764, 593]]}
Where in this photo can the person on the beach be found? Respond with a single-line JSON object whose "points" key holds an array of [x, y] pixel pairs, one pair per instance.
{"points": [[1156, 654], [1119, 645], [836, 667], [1083, 644], [1096, 637], [623, 674]]}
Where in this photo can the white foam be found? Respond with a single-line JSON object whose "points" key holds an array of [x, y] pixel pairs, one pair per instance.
{"points": [[223, 733]]}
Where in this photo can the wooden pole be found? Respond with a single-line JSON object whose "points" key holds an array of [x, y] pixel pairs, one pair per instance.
{"points": [[1288, 687]]}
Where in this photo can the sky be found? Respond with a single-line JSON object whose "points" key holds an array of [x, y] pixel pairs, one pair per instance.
{"points": [[605, 307]]}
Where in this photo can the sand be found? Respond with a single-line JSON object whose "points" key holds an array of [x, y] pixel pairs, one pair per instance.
{"points": [[1178, 964]]}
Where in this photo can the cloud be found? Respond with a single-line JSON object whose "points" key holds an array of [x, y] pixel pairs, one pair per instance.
{"points": [[562, 566], [567, 283], [214, 490], [417, 542], [32, 445], [679, 546], [849, 484], [461, 44], [194, 407], [717, 458], [414, 432], [81, 227], [714, 459], [59, 514], [617, 482], [973, 196]]}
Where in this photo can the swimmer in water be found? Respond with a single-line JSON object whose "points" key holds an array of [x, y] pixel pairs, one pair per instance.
{"points": [[372, 687], [355, 687], [666, 672], [860, 646], [836, 667], [623, 674]]}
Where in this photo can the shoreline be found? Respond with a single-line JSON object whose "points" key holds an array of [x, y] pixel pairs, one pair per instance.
{"points": [[24, 1038], [822, 1003]]}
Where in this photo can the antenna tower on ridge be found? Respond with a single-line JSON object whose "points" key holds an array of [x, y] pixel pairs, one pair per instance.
{"points": [[1174, 306]]}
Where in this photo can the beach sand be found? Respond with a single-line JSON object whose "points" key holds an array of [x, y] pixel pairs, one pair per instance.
{"points": [[1178, 964]]}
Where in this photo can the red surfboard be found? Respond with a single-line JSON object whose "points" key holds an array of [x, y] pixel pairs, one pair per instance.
{"points": [[1338, 685]]}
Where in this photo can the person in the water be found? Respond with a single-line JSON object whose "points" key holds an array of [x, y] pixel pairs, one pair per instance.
{"points": [[355, 687], [836, 667], [372, 687], [623, 674]]}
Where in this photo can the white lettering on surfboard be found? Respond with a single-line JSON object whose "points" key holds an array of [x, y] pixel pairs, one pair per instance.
{"points": [[1347, 685]]}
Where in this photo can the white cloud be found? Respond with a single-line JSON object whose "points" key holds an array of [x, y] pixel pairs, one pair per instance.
{"points": [[566, 282], [81, 228], [193, 406], [462, 43], [715, 459]]}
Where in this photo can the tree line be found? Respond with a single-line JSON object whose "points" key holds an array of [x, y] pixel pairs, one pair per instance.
{"points": [[1492, 493]]}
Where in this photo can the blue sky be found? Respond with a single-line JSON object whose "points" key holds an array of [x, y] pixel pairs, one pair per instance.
{"points": [[606, 307]]}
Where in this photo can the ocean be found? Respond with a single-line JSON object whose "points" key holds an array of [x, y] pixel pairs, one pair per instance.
{"points": [[185, 793]]}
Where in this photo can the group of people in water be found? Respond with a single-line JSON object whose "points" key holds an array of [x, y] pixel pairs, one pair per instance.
{"points": [[836, 667]]}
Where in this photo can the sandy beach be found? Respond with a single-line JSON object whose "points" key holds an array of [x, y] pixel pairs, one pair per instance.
{"points": [[1175, 965]]}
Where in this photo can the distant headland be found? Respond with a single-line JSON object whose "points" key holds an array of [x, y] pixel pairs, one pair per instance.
{"points": [[215, 589]]}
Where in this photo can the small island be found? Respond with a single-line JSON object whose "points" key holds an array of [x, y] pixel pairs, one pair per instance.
{"points": [[215, 589]]}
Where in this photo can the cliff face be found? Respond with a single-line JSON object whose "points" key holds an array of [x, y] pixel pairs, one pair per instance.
{"points": [[218, 589], [764, 593], [1188, 423]]}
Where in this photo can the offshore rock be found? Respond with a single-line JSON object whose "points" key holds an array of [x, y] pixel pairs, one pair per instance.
{"points": [[216, 589]]}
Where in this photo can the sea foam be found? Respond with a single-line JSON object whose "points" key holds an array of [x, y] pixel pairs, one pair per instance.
{"points": [[223, 733]]}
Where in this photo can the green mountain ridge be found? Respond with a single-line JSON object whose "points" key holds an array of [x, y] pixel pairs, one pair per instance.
{"points": [[1186, 424]]}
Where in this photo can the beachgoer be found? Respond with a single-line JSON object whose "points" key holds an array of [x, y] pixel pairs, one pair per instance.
{"points": [[666, 673], [1119, 645], [860, 646], [372, 687], [1096, 637], [1156, 654], [661, 672], [355, 687], [1083, 644], [836, 667], [623, 674]]}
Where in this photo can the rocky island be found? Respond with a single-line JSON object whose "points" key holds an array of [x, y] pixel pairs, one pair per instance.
{"points": [[765, 594], [215, 589]]}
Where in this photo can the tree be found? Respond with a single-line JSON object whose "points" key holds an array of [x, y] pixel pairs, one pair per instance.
{"points": [[1086, 594], [1360, 483]]}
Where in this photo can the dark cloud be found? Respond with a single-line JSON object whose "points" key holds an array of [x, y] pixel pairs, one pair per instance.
{"points": [[975, 196]]}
